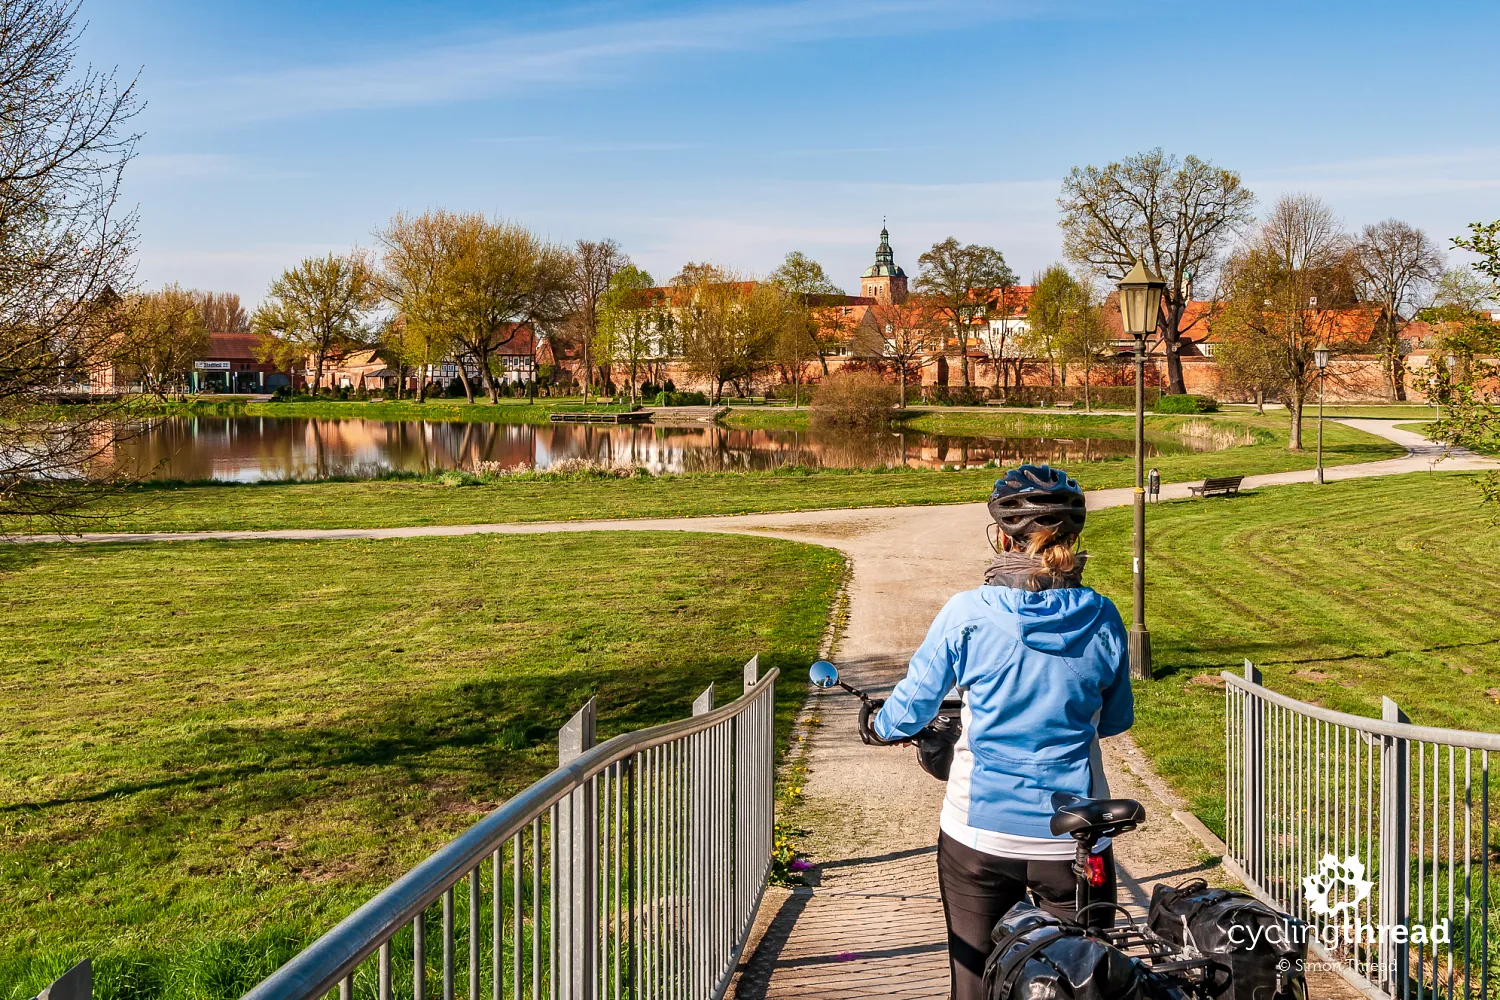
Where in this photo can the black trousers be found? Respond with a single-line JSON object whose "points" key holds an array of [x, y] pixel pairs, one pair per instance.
{"points": [[979, 888]]}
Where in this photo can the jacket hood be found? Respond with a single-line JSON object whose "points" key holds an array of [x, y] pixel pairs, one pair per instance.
{"points": [[1061, 622]]}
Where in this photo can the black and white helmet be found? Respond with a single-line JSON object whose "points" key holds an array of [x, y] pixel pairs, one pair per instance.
{"points": [[1035, 498]]}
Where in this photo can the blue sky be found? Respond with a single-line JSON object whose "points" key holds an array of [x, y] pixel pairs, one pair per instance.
{"points": [[734, 132]]}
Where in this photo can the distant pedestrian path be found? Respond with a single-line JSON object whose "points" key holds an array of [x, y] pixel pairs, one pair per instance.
{"points": [[870, 923]]}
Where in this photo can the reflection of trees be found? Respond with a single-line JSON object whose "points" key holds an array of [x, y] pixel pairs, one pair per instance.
{"points": [[249, 448]]}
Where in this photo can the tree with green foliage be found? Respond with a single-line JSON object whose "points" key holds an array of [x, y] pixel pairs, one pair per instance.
{"points": [[806, 283], [629, 323], [1053, 298], [164, 334], [1179, 216], [316, 308], [1469, 389], [415, 262]]}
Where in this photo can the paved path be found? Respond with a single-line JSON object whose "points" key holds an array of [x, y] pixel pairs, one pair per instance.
{"points": [[870, 924]]}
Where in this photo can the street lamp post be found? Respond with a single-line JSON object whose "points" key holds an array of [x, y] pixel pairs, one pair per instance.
{"points": [[1140, 307], [1321, 354]]}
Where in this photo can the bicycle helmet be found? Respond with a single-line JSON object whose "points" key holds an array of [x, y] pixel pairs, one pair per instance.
{"points": [[1037, 497]]}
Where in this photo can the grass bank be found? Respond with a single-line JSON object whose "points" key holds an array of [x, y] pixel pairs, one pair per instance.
{"points": [[214, 752], [1340, 594], [392, 503]]}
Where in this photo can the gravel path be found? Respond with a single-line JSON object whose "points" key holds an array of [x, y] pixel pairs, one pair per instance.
{"points": [[870, 922]]}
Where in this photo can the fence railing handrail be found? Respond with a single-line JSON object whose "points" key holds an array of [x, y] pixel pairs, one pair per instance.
{"points": [[324, 963], [1375, 727]]}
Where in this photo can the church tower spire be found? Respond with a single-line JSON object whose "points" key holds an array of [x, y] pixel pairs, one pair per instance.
{"points": [[884, 281]]}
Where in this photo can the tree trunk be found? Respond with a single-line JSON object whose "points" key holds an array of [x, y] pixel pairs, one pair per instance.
{"points": [[491, 388], [463, 379], [1170, 342], [317, 372], [1294, 411], [1088, 402], [963, 358]]}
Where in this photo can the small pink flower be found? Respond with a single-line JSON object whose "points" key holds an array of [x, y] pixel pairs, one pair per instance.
{"points": [[846, 956], [799, 865]]}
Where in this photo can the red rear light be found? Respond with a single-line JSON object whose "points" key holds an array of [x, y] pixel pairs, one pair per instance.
{"points": [[1096, 870]]}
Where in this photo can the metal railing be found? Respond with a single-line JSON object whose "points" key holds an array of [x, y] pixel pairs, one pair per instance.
{"points": [[634, 870], [1376, 832]]}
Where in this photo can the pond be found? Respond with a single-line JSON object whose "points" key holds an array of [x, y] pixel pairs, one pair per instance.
{"points": [[249, 449]]}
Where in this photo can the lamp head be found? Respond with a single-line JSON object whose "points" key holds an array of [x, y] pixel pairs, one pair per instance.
{"points": [[1140, 300], [1321, 354]]}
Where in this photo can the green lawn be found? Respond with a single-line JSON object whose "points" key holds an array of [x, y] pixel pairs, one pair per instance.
{"points": [[387, 503], [1340, 594], [212, 752]]}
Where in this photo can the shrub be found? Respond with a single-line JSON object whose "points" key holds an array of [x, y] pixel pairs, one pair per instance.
{"points": [[854, 399], [669, 398], [1186, 403]]}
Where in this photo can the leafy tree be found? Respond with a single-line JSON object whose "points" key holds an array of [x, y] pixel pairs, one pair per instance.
{"points": [[418, 255], [65, 253], [1469, 391], [1179, 216], [629, 322], [1048, 315], [960, 282], [501, 282], [1285, 288], [728, 327], [1458, 294], [315, 309], [819, 324], [164, 335], [1395, 264]]}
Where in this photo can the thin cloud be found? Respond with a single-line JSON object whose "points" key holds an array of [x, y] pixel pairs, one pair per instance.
{"points": [[503, 62]]}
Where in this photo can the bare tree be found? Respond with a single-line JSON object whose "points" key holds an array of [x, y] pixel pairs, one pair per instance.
{"points": [[1286, 289], [315, 309], [595, 264], [960, 281], [164, 334], [1396, 265], [1180, 217], [899, 334], [221, 311], [65, 252]]}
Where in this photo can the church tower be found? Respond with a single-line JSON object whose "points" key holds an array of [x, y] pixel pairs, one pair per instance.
{"points": [[884, 281]]}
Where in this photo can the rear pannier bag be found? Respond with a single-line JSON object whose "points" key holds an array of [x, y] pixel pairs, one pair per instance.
{"points": [[1039, 957], [1262, 954]]}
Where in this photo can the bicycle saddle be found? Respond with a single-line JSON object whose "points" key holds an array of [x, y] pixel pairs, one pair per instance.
{"points": [[1083, 818]]}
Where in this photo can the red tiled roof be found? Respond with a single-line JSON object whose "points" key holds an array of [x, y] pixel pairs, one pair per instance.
{"points": [[233, 346]]}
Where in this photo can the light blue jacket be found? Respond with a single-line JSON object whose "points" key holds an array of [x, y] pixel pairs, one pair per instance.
{"points": [[1043, 674]]}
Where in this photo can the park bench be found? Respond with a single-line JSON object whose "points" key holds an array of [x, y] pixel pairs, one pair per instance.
{"points": [[1223, 486]]}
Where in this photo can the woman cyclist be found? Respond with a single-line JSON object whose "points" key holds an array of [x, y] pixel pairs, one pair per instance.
{"points": [[1042, 666]]}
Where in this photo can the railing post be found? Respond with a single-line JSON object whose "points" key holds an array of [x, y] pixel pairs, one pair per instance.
{"points": [[577, 911], [1395, 846], [75, 984], [700, 920], [1252, 809]]}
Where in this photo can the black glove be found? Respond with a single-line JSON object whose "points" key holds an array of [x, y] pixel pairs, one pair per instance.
{"points": [[867, 710], [935, 746]]}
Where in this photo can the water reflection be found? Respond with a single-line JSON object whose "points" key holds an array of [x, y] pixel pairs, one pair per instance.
{"points": [[247, 449]]}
